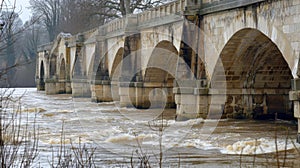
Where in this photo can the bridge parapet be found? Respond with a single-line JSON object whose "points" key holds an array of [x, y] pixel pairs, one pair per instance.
{"points": [[45, 47], [210, 1], [89, 33], [172, 8], [211, 6], [115, 25], [146, 17], [81, 38], [113, 28]]}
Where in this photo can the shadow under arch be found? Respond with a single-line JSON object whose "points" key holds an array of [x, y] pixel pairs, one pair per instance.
{"points": [[257, 77], [115, 73], [42, 77], [62, 70], [62, 77], [159, 76], [77, 71], [52, 68]]}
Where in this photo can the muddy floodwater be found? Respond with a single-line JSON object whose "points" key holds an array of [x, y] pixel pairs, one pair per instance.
{"points": [[116, 133]]}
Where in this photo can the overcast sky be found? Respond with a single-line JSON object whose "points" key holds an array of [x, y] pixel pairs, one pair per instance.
{"points": [[23, 6]]}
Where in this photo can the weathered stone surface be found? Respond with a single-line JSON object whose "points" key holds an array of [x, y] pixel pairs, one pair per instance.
{"points": [[40, 84], [294, 95], [50, 88], [101, 92], [296, 84], [81, 89]]}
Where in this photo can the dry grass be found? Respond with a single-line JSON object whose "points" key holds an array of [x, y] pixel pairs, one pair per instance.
{"points": [[73, 155], [18, 138]]}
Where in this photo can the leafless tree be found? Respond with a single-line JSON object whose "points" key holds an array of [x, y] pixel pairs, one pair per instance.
{"points": [[11, 43], [118, 8], [74, 16], [10, 30], [125, 7], [49, 12], [32, 37], [18, 138], [78, 16]]}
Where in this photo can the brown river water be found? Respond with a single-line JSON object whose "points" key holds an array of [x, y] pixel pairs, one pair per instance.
{"points": [[116, 133]]}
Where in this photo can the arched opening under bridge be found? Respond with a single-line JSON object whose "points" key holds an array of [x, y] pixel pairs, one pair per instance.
{"points": [[42, 77], [256, 76]]}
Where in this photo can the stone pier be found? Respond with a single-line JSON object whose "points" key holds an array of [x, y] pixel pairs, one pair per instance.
{"points": [[294, 96], [101, 91], [55, 86], [50, 86], [40, 84], [146, 95], [81, 88]]}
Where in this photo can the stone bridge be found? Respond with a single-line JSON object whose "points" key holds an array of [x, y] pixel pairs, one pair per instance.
{"points": [[206, 58]]}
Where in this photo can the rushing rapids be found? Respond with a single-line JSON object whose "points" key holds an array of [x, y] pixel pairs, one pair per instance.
{"points": [[118, 132]]}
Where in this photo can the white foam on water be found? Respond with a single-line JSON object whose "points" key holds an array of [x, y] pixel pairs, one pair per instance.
{"points": [[173, 123], [106, 103], [190, 122], [198, 143], [127, 109], [259, 146], [108, 132], [58, 141], [88, 118], [64, 111], [116, 131], [128, 138], [121, 139]]}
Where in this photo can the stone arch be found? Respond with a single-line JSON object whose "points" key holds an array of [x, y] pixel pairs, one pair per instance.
{"points": [[116, 65], [256, 75], [102, 72], [162, 63], [77, 71], [62, 76], [62, 70], [52, 68], [115, 73], [160, 73], [92, 67], [283, 45], [273, 32]]}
